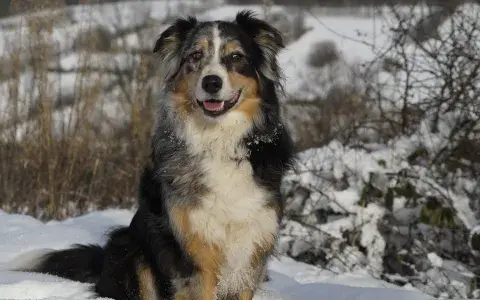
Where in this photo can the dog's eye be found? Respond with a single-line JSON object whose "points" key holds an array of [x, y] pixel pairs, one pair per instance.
{"points": [[235, 56], [196, 56]]}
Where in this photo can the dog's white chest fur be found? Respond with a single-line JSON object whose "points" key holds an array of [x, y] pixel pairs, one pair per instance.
{"points": [[233, 214]]}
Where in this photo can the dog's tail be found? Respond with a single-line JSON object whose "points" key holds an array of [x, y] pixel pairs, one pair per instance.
{"points": [[82, 263]]}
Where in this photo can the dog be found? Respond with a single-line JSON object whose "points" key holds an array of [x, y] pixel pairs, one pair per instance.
{"points": [[209, 200]]}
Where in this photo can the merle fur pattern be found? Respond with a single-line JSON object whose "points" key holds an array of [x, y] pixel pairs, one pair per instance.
{"points": [[172, 175]]}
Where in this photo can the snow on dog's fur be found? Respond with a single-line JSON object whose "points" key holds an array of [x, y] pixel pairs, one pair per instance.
{"points": [[210, 199]]}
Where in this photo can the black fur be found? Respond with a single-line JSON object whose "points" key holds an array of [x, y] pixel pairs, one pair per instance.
{"points": [[81, 263], [112, 269], [150, 238]]}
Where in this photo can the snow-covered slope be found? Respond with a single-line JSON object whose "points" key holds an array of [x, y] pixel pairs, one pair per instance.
{"points": [[20, 234]]}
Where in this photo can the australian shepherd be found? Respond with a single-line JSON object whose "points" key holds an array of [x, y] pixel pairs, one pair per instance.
{"points": [[210, 201]]}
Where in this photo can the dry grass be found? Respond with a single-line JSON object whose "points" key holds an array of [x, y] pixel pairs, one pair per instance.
{"points": [[338, 115], [56, 171], [60, 169]]}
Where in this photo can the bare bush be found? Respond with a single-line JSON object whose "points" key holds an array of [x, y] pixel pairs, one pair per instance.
{"points": [[98, 38], [74, 133], [323, 53], [319, 121]]}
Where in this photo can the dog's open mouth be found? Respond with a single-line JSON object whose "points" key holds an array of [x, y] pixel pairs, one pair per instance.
{"points": [[216, 107]]}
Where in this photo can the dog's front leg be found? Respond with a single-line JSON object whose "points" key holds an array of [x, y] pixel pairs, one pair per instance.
{"points": [[201, 287], [206, 255], [208, 258], [208, 282]]}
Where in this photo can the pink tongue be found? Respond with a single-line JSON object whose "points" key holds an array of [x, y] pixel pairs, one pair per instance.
{"points": [[213, 105]]}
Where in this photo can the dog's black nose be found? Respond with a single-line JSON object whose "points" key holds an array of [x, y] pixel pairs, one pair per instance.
{"points": [[212, 83]]}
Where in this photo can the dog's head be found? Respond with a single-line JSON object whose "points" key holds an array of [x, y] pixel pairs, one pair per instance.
{"points": [[218, 67]]}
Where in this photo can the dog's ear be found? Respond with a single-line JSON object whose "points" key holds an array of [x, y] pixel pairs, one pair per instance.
{"points": [[268, 38], [169, 45]]}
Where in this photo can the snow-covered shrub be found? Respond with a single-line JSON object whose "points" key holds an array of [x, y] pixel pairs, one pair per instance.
{"points": [[400, 198]]}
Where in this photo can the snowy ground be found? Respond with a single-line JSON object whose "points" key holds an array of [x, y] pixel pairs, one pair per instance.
{"points": [[20, 234]]}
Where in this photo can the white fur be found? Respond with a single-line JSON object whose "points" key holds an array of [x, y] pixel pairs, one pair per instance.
{"points": [[217, 43], [233, 214], [28, 261], [215, 67]]}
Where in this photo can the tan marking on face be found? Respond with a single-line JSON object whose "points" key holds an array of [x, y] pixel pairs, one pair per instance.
{"points": [[230, 47], [202, 43], [181, 98], [146, 282], [207, 256], [250, 105]]}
